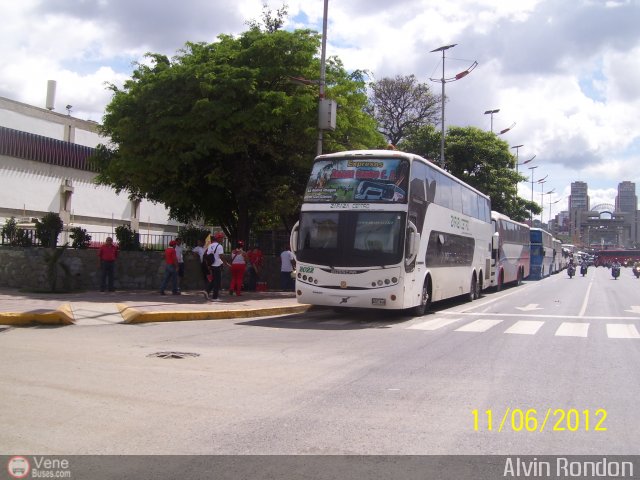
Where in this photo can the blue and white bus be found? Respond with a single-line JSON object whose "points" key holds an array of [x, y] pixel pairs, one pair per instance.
{"points": [[427, 238], [541, 253], [510, 256]]}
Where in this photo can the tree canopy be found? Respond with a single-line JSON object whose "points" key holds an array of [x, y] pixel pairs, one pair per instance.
{"points": [[480, 159], [220, 133], [401, 105]]}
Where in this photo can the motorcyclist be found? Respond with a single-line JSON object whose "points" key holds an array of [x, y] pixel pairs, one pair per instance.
{"points": [[571, 268], [615, 269], [583, 267]]}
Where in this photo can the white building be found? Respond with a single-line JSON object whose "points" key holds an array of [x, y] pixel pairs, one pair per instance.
{"points": [[43, 169]]}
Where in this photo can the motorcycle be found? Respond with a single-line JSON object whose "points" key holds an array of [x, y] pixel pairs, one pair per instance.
{"points": [[615, 272], [571, 271], [636, 271], [583, 270]]}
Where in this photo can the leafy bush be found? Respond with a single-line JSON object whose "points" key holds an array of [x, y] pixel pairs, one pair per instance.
{"points": [[48, 229], [80, 238], [190, 234], [14, 235], [127, 238]]}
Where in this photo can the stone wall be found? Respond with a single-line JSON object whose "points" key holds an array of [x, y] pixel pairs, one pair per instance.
{"points": [[26, 268]]}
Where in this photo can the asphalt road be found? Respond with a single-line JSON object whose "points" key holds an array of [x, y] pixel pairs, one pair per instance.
{"points": [[350, 383]]}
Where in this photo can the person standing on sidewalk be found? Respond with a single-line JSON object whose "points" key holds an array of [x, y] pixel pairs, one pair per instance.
{"points": [[170, 269], [200, 251], [256, 259], [215, 263], [287, 264], [238, 267], [180, 256], [107, 255]]}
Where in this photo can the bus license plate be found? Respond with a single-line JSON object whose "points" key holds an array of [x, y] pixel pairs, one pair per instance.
{"points": [[378, 301]]}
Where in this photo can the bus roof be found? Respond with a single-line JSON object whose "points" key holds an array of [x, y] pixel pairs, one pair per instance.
{"points": [[502, 216]]}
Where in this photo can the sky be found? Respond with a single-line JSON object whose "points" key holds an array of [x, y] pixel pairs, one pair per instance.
{"points": [[566, 72]]}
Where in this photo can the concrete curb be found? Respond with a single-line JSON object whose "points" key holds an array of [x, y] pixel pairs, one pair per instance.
{"points": [[133, 315], [63, 315]]}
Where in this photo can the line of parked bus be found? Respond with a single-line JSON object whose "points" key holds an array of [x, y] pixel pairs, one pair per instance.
{"points": [[519, 252], [384, 229]]}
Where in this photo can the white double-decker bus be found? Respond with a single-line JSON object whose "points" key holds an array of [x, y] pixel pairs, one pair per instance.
{"points": [[389, 230], [510, 256]]}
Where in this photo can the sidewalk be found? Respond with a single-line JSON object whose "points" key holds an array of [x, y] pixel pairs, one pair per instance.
{"points": [[137, 306]]}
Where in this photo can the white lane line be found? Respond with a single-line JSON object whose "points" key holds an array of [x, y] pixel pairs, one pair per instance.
{"points": [[495, 314], [433, 324], [621, 330], [479, 326], [583, 309], [525, 327], [571, 329]]}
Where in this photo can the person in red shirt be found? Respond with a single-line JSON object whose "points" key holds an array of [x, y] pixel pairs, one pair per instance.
{"points": [[170, 269], [255, 266], [107, 255]]}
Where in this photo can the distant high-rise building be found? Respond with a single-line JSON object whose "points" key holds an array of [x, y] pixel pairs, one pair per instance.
{"points": [[579, 198], [626, 201]]}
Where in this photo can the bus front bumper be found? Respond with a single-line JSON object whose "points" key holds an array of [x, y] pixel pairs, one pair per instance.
{"points": [[389, 298]]}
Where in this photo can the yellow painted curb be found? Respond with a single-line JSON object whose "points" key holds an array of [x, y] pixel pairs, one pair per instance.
{"points": [[63, 315], [132, 315]]}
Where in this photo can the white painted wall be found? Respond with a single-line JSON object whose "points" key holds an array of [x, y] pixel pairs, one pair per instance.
{"points": [[34, 187]]}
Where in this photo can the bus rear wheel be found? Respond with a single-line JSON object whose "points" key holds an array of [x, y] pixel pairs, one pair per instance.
{"points": [[473, 290]]}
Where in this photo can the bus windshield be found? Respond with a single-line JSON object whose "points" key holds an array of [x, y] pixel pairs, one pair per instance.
{"points": [[381, 180], [351, 239]]}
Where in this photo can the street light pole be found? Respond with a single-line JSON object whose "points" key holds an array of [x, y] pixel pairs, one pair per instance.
{"points": [[531, 212], [542, 202], [491, 112], [517, 147], [323, 70], [444, 80], [550, 203]]}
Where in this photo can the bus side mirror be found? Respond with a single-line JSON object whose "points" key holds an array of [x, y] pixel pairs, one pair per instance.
{"points": [[414, 243], [293, 238], [495, 241]]}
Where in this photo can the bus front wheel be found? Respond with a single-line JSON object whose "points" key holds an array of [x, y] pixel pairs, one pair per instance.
{"points": [[425, 300]]}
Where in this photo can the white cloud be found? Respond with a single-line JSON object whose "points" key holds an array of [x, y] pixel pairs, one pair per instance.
{"points": [[565, 72]]}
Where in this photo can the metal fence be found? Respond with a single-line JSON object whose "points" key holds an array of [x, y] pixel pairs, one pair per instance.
{"points": [[271, 242]]}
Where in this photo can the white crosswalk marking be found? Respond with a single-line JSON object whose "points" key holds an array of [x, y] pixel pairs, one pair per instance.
{"points": [[433, 324], [525, 327], [621, 330], [572, 329], [479, 326], [529, 327]]}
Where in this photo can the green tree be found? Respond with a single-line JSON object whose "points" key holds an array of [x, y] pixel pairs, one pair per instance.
{"points": [[127, 238], [48, 229], [425, 141], [480, 159], [190, 234], [401, 105], [220, 132], [80, 238]]}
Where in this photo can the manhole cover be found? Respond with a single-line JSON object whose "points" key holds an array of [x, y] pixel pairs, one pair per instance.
{"points": [[173, 354]]}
